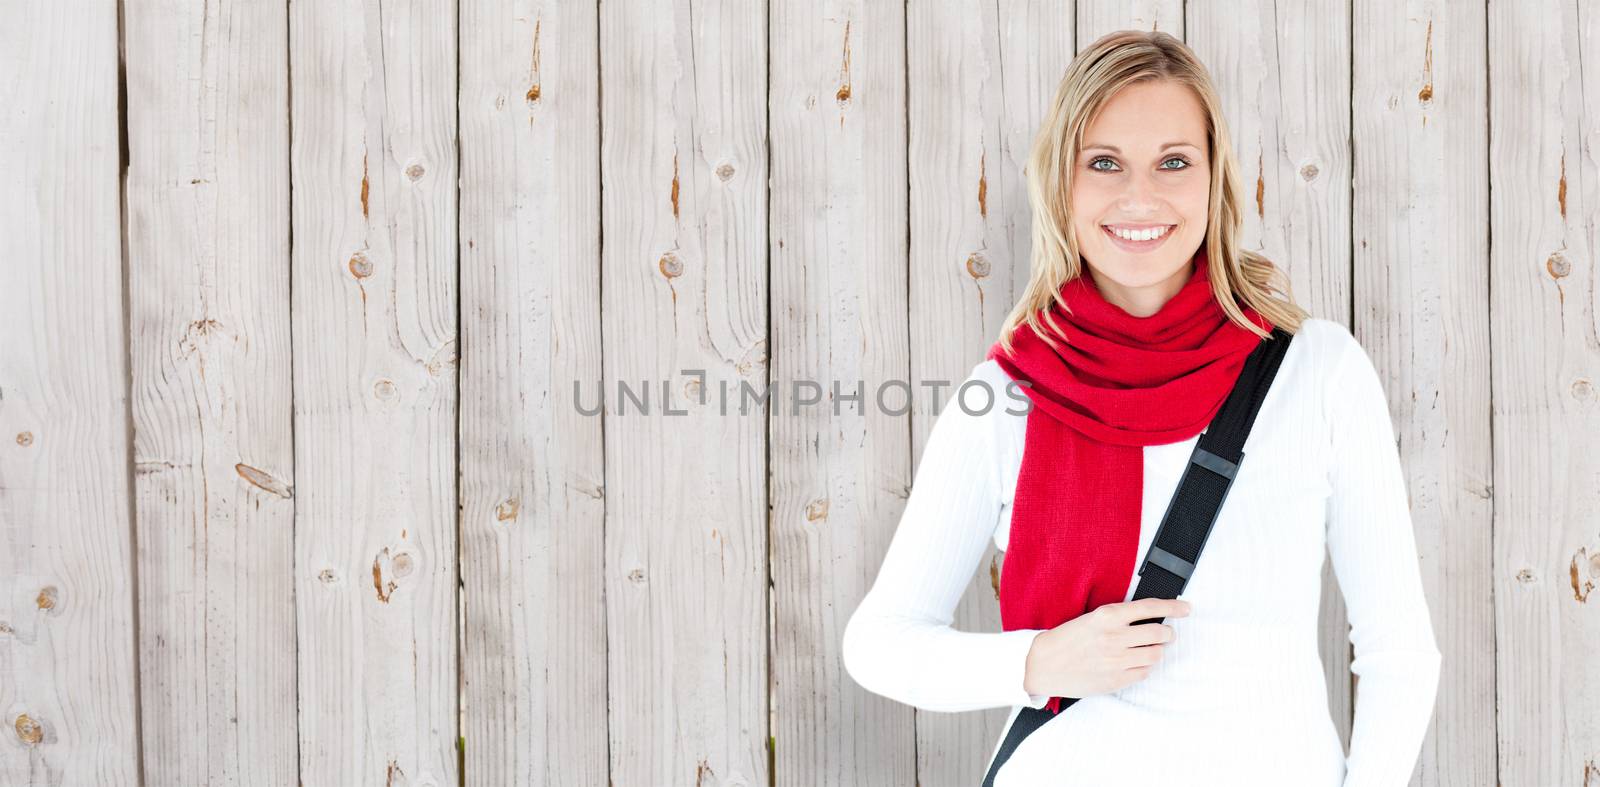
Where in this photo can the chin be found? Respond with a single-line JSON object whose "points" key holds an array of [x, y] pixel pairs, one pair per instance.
{"points": [[1140, 272]]}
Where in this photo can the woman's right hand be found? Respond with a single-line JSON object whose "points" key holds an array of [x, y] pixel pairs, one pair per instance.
{"points": [[1099, 652]]}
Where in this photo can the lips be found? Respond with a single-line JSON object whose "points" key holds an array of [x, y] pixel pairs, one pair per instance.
{"points": [[1137, 246], [1136, 227]]}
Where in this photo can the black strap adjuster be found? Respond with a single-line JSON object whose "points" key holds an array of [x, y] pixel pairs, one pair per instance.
{"points": [[1214, 463], [1162, 558]]}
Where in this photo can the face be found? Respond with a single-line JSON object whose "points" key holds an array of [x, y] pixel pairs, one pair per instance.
{"points": [[1143, 169]]}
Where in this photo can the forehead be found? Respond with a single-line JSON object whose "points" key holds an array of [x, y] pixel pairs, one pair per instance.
{"points": [[1145, 116]]}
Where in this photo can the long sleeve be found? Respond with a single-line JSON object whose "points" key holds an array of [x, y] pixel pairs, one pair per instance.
{"points": [[1374, 554], [899, 642]]}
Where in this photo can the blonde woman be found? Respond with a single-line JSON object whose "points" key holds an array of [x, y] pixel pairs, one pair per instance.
{"points": [[1139, 314]]}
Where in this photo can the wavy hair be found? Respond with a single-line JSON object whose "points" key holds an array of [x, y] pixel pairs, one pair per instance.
{"points": [[1111, 63]]}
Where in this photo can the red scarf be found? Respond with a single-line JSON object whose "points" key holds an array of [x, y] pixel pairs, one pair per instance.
{"points": [[1117, 384]]}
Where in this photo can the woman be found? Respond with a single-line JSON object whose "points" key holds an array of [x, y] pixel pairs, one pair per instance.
{"points": [[1136, 321]]}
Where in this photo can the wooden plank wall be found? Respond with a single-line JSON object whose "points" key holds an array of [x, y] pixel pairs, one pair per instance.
{"points": [[683, 269], [532, 474], [258, 525], [69, 671], [373, 266], [838, 230], [207, 233], [1543, 342]]}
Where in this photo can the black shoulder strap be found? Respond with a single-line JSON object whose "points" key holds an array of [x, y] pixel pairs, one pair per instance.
{"points": [[1190, 514]]}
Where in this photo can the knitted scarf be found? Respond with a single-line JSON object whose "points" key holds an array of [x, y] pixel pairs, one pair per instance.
{"points": [[1118, 383]]}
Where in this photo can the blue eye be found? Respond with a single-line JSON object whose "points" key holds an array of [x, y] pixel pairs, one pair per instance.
{"points": [[1180, 159]]}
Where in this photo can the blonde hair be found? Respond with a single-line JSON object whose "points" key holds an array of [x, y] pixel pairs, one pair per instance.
{"points": [[1111, 63]]}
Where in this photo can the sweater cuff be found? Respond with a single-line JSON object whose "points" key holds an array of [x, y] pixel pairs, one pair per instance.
{"points": [[1021, 640]]}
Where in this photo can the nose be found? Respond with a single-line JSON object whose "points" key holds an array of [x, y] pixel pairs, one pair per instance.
{"points": [[1140, 196]]}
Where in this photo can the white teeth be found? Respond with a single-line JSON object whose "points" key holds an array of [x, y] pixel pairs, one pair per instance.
{"points": [[1140, 235]]}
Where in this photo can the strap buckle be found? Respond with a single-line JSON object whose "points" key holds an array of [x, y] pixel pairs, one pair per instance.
{"points": [[1161, 557], [1214, 463]]}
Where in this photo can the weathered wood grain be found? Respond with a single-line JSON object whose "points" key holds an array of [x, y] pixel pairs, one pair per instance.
{"points": [[68, 674], [208, 291], [373, 159], [1544, 178], [532, 499], [684, 287], [840, 469], [1099, 17]]}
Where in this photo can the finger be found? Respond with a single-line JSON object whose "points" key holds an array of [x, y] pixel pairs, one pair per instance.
{"points": [[1142, 657], [1145, 634], [1146, 608]]}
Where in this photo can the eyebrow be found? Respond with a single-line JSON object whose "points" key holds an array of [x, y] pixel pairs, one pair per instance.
{"points": [[1118, 151]]}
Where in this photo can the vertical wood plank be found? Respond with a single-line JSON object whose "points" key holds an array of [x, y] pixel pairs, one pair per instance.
{"points": [[208, 292], [1421, 310], [1544, 132], [373, 156], [531, 467], [68, 678], [1099, 17], [980, 79], [1283, 72], [840, 468], [684, 287]]}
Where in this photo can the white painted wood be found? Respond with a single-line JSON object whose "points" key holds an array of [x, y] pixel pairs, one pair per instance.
{"points": [[1545, 183], [1282, 71], [1099, 17], [683, 107], [373, 91], [1421, 238], [980, 79], [531, 467], [208, 291], [68, 673], [840, 469]]}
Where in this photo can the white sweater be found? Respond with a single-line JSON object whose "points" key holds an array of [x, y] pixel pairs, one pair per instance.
{"points": [[1239, 696]]}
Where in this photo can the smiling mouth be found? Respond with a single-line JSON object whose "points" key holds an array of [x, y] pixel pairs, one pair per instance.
{"points": [[1138, 233]]}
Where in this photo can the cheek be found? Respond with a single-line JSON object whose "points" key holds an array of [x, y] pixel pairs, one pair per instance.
{"points": [[1195, 197], [1193, 208], [1087, 205]]}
